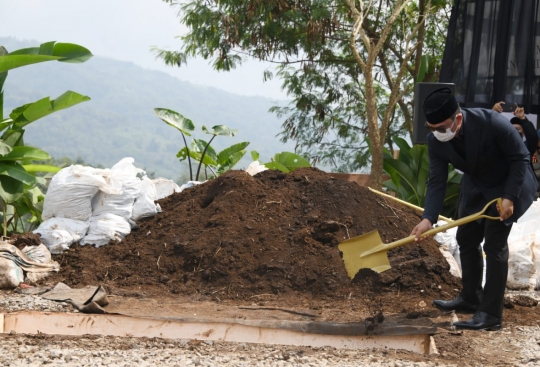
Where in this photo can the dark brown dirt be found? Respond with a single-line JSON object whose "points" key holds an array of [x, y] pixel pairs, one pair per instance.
{"points": [[271, 241], [242, 238]]}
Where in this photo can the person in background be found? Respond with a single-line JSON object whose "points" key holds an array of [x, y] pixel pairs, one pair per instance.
{"points": [[495, 164], [525, 128], [535, 159]]}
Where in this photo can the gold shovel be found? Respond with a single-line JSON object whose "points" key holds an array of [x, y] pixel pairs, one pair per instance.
{"points": [[368, 250], [421, 210]]}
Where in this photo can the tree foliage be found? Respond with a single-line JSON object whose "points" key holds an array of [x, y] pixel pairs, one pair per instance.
{"points": [[343, 62]]}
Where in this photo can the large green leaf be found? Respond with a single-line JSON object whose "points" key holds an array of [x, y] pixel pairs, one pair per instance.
{"points": [[276, 166], [13, 137], [254, 155], [420, 165], [33, 111], [11, 189], [220, 130], [404, 149], [225, 154], [5, 123], [25, 152], [289, 160], [407, 176], [3, 76], [210, 156], [230, 162], [16, 171], [401, 193], [64, 52], [4, 148], [182, 155], [176, 120], [424, 64], [33, 168]]}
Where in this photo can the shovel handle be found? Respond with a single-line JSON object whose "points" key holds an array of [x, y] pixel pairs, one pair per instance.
{"points": [[458, 222], [406, 203]]}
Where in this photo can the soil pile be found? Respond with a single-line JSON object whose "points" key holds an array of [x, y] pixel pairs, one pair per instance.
{"points": [[238, 236]]}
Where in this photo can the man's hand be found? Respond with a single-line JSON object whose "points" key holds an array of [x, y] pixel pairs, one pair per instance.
{"points": [[498, 107], [420, 228], [520, 113], [507, 209]]}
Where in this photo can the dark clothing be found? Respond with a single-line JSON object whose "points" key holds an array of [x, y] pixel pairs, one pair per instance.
{"points": [[530, 134], [469, 238], [495, 163], [536, 168]]}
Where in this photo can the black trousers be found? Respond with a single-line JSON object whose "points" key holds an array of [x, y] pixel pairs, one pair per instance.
{"points": [[469, 238]]}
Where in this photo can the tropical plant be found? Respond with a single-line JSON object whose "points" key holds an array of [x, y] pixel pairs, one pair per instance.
{"points": [[20, 198], [200, 150], [349, 66], [409, 175], [284, 161]]}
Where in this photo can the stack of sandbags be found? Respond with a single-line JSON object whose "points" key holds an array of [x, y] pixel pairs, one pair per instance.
{"points": [[94, 206]]}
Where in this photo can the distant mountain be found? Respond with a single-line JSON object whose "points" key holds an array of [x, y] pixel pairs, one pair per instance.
{"points": [[119, 120]]}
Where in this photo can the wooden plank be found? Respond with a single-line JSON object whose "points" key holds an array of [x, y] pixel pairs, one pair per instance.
{"points": [[120, 325]]}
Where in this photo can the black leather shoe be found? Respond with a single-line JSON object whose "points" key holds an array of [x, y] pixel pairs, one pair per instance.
{"points": [[480, 321], [457, 304]]}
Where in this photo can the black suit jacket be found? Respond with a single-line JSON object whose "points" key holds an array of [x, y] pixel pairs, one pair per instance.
{"points": [[497, 164]]}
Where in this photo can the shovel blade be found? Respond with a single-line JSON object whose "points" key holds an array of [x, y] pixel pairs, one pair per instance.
{"points": [[353, 253]]}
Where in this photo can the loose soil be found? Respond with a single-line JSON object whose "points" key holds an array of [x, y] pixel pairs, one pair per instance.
{"points": [[240, 237], [271, 241]]}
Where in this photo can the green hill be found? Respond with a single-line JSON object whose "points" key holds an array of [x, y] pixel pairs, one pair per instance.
{"points": [[119, 120]]}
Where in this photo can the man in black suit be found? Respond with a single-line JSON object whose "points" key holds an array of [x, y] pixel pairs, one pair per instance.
{"points": [[495, 162]]}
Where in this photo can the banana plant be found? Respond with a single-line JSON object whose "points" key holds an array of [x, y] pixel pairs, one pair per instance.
{"points": [[284, 161], [200, 150], [19, 195], [409, 175]]}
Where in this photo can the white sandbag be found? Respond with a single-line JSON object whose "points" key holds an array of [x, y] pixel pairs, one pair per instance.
{"points": [[455, 269], [120, 204], [536, 259], [71, 191], [40, 254], [521, 244], [448, 238], [105, 228], [145, 205], [165, 187], [255, 167], [521, 268], [10, 274], [58, 234]]}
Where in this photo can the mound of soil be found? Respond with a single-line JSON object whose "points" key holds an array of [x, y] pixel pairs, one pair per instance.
{"points": [[238, 237]]}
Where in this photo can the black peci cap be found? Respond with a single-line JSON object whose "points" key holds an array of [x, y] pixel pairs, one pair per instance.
{"points": [[440, 105]]}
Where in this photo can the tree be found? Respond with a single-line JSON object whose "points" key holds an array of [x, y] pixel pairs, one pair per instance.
{"points": [[347, 64]]}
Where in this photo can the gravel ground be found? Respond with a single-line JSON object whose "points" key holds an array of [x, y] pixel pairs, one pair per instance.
{"points": [[511, 346], [104, 351]]}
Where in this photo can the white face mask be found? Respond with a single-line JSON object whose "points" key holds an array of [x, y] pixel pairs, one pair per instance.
{"points": [[446, 136]]}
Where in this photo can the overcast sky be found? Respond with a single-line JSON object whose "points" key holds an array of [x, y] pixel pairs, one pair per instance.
{"points": [[125, 30]]}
